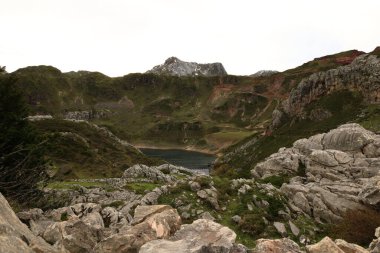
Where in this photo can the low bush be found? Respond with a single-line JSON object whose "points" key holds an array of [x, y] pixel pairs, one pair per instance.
{"points": [[275, 180], [252, 223], [357, 226]]}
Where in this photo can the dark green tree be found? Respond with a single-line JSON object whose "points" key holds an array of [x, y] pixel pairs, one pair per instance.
{"points": [[22, 164]]}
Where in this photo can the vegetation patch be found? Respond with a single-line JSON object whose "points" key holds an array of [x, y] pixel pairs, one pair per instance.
{"points": [[276, 180], [141, 187], [357, 226]]}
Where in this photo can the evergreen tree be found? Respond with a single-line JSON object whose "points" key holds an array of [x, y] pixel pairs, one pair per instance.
{"points": [[22, 166]]}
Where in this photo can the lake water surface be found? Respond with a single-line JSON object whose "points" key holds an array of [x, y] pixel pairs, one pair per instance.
{"points": [[188, 159]]}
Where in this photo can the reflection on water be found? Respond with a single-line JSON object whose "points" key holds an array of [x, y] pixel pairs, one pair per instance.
{"points": [[188, 159]]}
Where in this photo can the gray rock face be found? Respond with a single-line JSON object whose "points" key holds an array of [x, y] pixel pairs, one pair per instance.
{"points": [[361, 75], [175, 67], [15, 236], [341, 172], [143, 171], [200, 236]]}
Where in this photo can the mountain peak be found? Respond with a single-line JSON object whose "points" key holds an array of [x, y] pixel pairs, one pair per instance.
{"points": [[176, 67]]}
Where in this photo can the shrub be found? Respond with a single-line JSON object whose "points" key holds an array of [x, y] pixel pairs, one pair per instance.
{"points": [[64, 216], [204, 181], [301, 171], [276, 181], [22, 163], [357, 226], [252, 223]]}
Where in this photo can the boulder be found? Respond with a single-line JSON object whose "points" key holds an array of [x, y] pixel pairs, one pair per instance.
{"points": [[143, 212], [295, 230], [200, 236], [236, 219], [152, 222], [283, 245], [112, 217], [350, 247], [14, 233], [348, 137], [281, 229], [210, 195], [75, 235], [325, 245]]}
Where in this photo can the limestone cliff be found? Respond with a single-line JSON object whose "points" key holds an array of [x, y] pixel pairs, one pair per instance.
{"points": [[362, 75]]}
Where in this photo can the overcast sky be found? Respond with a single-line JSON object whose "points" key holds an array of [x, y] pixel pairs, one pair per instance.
{"points": [[117, 37]]}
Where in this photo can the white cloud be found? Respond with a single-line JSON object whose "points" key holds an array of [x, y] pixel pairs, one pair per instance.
{"points": [[117, 37]]}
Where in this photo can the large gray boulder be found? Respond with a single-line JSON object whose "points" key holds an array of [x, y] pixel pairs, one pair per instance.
{"points": [[348, 137], [150, 223], [74, 235], [200, 236], [16, 237]]}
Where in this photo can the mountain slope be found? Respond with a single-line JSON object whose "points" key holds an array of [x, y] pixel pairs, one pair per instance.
{"points": [[78, 149], [319, 103], [199, 112]]}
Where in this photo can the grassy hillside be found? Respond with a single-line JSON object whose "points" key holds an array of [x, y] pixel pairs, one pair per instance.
{"points": [[197, 112], [82, 150], [345, 106]]}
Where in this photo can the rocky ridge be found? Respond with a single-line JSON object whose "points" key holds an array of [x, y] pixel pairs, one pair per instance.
{"points": [[362, 76], [175, 67], [337, 171]]}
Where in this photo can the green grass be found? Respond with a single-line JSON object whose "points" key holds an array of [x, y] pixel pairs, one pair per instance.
{"points": [[73, 185], [141, 188], [371, 118]]}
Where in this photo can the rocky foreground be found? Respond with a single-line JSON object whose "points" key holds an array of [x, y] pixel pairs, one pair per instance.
{"points": [[329, 174]]}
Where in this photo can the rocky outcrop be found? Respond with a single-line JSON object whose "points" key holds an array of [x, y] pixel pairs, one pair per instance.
{"points": [[200, 236], [362, 75], [264, 73], [143, 171], [337, 171], [86, 115], [16, 237], [175, 67]]}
